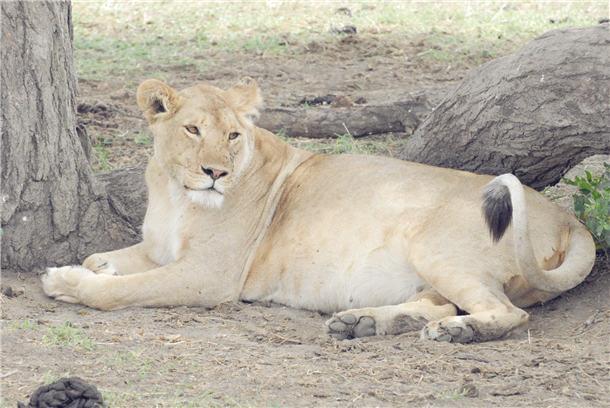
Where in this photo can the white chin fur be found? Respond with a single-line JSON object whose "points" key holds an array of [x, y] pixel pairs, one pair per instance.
{"points": [[207, 198]]}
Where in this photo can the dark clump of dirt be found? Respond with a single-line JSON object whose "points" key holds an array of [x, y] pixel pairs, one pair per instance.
{"points": [[318, 100], [339, 101], [66, 392], [98, 108]]}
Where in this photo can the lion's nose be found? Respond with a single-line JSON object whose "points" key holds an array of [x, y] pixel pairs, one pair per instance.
{"points": [[214, 173]]}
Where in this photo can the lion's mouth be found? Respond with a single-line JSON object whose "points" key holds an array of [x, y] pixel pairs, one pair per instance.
{"points": [[211, 188]]}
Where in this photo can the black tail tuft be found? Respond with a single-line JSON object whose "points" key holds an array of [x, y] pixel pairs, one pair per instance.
{"points": [[497, 209]]}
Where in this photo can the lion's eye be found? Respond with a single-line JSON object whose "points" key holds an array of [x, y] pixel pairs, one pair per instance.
{"points": [[234, 135], [192, 130]]}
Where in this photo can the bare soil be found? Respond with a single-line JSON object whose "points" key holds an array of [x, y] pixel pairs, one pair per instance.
{"points": [[359, 69], [269, 355]]}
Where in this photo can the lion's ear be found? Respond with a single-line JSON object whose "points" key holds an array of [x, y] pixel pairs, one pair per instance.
{"points": [[245, 97], [156, 99]]}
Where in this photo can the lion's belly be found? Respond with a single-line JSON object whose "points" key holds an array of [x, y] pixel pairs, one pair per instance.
{"points": [[329, 287], [347, 273]]}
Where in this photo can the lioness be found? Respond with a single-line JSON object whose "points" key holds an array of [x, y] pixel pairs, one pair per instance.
{"points": [[234, 213]]}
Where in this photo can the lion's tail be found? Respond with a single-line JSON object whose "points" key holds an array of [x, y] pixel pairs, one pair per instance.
{"points": [[503, 203]]}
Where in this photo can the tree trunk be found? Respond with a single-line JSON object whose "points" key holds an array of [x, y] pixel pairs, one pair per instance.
{"points": [[535, 113], [54, 212], [325, 122]]}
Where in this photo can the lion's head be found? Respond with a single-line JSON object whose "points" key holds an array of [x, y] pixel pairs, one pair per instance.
{"points": [[203, 135]]}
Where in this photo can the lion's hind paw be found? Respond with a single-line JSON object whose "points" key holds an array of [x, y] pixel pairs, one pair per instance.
{"points": [[452, 329], [348, 326]]}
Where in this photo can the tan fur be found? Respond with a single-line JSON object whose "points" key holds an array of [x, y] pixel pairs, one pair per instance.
{"points": [[394, 246]]}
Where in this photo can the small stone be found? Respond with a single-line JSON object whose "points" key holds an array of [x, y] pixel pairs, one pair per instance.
{"points": [[346, 29], [342, 102], [344, 10], [9, 292], [508, 390]]}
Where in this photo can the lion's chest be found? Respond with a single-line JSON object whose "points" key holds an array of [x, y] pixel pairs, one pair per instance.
{"points": [[164, 233]]}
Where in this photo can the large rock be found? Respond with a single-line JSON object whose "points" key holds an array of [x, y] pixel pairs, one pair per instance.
{"points": [[535, 113], [562, 193]]}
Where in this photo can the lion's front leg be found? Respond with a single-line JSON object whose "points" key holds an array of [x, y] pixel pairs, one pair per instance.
{"points": [[123, 261], [175, 284], [66, 283]]}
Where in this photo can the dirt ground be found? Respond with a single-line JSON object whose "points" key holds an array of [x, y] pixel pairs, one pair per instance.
{"points": [[378, 72], [269, 355]]}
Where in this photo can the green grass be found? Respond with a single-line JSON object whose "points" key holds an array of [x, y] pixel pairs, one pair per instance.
{"points": [[345, 143], [142, 139], [69, 336], [118, 399], [50, 376], [464, 391], [592, 204], [204, 399], [134, 361], [120, 39], [102, 158], [126, 41], [450, 395], [24, 325]]}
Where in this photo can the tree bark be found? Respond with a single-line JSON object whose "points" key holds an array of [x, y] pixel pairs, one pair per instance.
{"points": [[54, 211], [535, 113], [326, 122]]}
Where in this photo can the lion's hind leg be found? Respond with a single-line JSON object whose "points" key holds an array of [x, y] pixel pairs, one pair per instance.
{"points": [[413, 315], [491, 315]]}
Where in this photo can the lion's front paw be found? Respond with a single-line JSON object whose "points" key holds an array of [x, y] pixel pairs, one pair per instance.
{"points": [[65, 283], [451, 329], [99, 264]]}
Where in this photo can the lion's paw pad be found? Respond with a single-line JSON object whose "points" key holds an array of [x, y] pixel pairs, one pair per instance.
{"points": [[455, 330], [348, 326]]}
